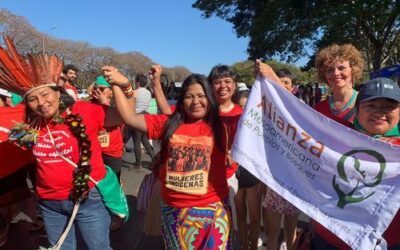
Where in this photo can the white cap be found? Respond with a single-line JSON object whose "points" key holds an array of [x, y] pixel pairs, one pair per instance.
{"points": [[242, 86], [4, 92]]}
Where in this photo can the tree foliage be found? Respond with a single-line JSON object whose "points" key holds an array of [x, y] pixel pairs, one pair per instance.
{"points": [[87, 58], [245, 71], [289, 29]]}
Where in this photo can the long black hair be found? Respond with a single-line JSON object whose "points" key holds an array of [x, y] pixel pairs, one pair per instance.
{"points": [[66, 101], [179, 116]]}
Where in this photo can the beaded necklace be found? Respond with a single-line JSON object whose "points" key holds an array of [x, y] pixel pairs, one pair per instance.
{"points": [[25, 135]]}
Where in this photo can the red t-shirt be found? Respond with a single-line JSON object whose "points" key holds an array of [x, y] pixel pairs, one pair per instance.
{"points": [[193, 168], [111, 141], [391, 233], [324, 108], [230, 121], [54, 174]]}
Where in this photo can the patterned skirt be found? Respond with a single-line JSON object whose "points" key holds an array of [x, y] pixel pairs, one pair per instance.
{"points": [[277, 204], [207, 227]]}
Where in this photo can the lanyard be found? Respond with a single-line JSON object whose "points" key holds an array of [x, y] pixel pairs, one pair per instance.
{"points": [[63, 157]]}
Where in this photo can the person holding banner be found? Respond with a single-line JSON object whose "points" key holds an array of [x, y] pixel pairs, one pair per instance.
{"points": [[378, 115], [195, 212], [275, 205]]}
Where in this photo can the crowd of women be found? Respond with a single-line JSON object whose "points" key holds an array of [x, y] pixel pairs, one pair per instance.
{"points": [[204, 193]]}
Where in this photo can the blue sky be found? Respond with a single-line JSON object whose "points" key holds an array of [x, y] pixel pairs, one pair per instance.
{"points": [[170, 32]]}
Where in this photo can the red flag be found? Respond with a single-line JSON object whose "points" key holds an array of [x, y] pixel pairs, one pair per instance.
{"points": [[12, 157], [7, 117]]}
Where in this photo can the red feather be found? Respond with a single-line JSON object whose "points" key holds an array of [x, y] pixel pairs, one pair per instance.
{"points": [[20, 74]]}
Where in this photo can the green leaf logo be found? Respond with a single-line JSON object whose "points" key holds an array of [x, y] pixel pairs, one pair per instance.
{"points": [[347, 198]]}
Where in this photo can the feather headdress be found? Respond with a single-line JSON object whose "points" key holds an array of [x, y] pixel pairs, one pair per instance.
{"points": [[23, 74]]}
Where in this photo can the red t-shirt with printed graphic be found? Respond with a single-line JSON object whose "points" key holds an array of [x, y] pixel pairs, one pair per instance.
{"points": [[230, 122], [54, 174], [193, 169]]}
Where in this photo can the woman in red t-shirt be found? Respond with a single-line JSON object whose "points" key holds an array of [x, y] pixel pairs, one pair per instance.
{"points": [[60, 136], [340, 66], [194, 211], [377, 115]]}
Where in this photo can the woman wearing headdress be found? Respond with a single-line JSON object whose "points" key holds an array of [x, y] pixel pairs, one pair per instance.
{"points": [[60, 136]]}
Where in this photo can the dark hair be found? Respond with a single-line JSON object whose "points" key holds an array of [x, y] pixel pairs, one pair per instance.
{"points": [[179, 116], [141, 80], [70, 66], [239, 95], [221, 71], [303, 94], [285, 73], [66, 101]]}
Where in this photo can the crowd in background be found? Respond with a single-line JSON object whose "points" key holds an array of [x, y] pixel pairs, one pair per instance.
{"points": [[207, 200]]}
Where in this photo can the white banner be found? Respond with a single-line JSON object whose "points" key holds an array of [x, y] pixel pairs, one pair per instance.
{"points": [[347, 181]]}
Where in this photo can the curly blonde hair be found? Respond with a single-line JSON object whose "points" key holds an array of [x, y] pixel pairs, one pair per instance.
{"points": [[345, 52]]}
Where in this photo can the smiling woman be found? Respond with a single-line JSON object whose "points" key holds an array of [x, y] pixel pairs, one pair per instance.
{"points": [[195, 212], [44, 102], [195, 103], [340, 66], [60, 136], [376, 113]]}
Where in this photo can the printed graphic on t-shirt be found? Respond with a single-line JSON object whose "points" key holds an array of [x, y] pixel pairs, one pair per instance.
{"points": [[45, 152], [189, 164], [104, 138]]}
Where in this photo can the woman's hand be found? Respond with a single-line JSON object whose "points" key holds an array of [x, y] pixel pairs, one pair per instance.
{"points": [[155, 75], [155, 72], [265, 71], [101, 97], [114, 77]]}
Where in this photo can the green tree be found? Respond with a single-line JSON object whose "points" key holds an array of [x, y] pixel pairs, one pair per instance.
{"points": [[289, 29], [245, 71]]}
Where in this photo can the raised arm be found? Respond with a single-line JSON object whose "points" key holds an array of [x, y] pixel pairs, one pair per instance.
{"points": [[124, 99], [265, 71], [155, 75]]}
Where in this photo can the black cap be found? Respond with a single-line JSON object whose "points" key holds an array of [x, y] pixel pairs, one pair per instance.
{"points": [[379, 88]]}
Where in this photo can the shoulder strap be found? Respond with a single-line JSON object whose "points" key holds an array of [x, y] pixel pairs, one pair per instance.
{"points": [[63, 157]]}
